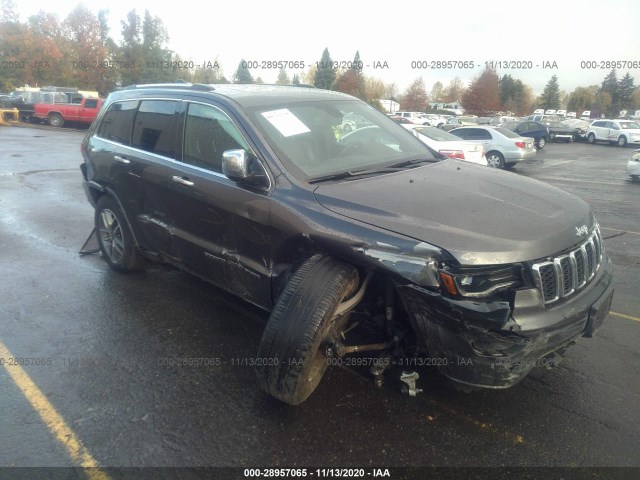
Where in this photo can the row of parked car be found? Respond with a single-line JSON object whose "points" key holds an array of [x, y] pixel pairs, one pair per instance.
{"points": [[506, 141]]}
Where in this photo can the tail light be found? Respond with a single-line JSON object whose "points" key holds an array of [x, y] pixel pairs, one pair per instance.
{"points": [[459, 154], [520, 144]]}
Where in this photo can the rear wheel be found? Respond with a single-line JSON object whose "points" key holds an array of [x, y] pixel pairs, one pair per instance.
{"points": [[296, 344], [495, 159], [56, 120], [115, 238]]}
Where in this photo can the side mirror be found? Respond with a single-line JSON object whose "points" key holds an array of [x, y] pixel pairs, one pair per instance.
{"points": [[241, 166]]}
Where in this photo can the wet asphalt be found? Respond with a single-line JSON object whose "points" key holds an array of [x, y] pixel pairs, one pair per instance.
{"points": [[116, 352]]}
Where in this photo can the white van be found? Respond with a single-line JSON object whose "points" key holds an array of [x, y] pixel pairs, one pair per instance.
{"points": [[586, 115], [561, 113]]}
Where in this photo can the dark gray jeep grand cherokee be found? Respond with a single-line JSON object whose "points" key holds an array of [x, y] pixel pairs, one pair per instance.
{"points": [[365, 241]]}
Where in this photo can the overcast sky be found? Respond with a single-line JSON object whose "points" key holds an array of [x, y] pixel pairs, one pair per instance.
{"points": [[398, 33]]}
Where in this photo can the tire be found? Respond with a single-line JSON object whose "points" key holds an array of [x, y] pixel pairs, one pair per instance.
{"points": [[541, 143], [291, 353], [591, 138], [622, 141], [55, 120], [495, 159], [115, 238]]}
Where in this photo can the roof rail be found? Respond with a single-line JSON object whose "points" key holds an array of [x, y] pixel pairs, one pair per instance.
{"points": [[180, 85]]}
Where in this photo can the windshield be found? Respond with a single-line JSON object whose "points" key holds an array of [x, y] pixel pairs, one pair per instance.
{"points": [[316, 139], [628, 125]]}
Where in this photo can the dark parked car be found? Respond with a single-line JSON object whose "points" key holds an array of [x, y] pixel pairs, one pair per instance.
{"points": [[526, 128], [558, 130], [356, 242]]}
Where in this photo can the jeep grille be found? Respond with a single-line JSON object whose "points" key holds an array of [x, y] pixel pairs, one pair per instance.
{"points": [[564, 275]]}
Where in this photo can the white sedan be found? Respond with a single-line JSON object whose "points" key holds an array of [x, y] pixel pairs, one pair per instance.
{"points": [[448, 144], [633, 165]]}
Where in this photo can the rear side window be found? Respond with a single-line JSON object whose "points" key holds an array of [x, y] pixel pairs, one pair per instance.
{"points": [[93, 103], [477, 134], [208, 134], [155, 127], [117, 122]]}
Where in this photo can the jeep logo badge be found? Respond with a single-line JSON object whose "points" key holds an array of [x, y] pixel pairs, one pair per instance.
{"points": [[583, 230]]}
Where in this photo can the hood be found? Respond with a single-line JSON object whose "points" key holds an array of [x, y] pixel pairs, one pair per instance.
{"points": [[482, 216]]}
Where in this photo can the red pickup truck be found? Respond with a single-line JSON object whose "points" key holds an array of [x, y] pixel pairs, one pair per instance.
{"points": [[56, 114]]}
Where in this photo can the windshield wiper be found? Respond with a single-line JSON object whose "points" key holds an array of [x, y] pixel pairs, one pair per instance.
{"points": [[414, 161], [396, 167]]}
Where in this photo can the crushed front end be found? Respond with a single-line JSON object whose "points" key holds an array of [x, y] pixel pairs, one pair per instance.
{"points": [[489, 326]]}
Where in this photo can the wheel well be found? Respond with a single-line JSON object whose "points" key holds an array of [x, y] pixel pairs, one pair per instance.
{"points": [[294, 252], [97, 194]]}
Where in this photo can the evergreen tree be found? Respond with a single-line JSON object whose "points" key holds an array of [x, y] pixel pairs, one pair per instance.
{"points": [[550, 97], [626, 88], [296, 79], [325, 74], [242, 74], [610, 103], [283, 78]]}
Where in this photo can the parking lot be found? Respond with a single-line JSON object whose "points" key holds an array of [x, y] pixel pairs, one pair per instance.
{"points": [[108, 390]]}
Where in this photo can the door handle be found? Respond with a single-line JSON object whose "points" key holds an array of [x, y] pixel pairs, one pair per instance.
{"points": [[118, 158], [182, 181]]}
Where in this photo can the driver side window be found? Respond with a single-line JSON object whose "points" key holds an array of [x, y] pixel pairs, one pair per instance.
{"points": [[208, 133]]}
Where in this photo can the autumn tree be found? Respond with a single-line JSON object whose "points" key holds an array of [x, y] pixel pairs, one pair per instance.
{"points": [[211, 72], [582, 98], [454, 91], [483, 95], [130, 49], [415, 98], [326, 73], [86, 49], [374, 88], [437, 92], [8, 11], [351, 80]]}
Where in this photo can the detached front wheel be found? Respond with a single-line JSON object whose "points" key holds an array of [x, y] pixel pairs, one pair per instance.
{"points": [[295, 347]]}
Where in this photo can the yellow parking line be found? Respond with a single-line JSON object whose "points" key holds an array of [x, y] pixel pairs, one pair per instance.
{"points": [[622, 315], [52, 419]]}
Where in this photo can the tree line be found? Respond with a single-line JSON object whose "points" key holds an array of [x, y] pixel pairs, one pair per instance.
{"points": [[79, 51]]}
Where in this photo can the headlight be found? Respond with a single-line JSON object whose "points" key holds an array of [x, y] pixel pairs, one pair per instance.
{"points": [[481, 283], [417, 265]]}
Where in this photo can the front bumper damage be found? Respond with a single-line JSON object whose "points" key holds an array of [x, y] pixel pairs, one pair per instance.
{"points": [[494, 344]]}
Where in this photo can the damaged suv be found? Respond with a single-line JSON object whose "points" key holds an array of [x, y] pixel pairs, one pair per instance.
{"points": [[257, 190]]}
